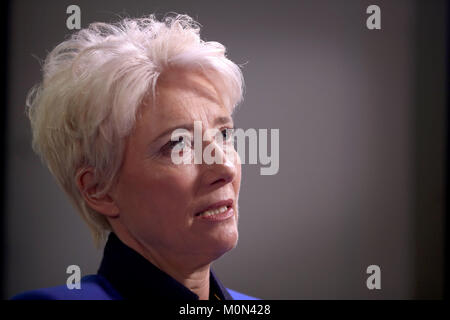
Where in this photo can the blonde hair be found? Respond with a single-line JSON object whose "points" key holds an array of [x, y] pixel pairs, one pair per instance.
{"points": [[93, 85]]}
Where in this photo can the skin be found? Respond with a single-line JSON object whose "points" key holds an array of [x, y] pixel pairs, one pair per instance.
{"points": [[153, 206]]}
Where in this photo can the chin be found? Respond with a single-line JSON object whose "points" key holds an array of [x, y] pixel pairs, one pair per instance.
{"points": [[224, 243]]}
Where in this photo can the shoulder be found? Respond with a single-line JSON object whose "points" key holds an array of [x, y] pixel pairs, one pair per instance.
{"points": [[93, 287], [240, 296]]}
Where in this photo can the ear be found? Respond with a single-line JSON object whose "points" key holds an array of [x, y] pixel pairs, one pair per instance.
{"points": [[88, 187]]}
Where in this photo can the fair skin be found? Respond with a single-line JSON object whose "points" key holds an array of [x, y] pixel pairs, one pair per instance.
{"points": [[154, 205]]}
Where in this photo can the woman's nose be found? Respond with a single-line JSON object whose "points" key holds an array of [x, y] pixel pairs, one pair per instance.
{"points": [[220, 168]]}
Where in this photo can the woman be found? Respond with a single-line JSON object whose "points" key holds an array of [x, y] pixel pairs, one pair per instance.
{"points": [[117, 105]]}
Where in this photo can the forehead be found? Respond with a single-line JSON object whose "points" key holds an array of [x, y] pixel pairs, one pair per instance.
{"points": [[184, 96]]}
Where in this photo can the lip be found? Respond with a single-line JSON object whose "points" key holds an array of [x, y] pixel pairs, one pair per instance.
{"points": [[219, 216], [228, 203]]}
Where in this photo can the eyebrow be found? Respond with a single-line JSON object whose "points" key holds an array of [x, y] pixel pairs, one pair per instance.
{"points": [[190, 126]]}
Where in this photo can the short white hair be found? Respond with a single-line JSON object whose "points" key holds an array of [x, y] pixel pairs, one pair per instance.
{"points": [[93, 85]]}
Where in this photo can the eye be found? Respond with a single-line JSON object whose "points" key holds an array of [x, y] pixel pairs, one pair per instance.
{"points": [[227, 134], [181, 142]]}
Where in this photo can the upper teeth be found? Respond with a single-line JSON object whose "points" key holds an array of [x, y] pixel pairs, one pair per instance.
{"points": [[213, 211]]}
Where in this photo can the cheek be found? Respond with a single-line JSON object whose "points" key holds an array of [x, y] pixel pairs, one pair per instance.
{"points": [[156, 206], [150, 185], [166, 190]]}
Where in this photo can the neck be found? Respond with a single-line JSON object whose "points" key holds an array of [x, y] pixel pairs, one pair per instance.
{"points": [[193, 276]]}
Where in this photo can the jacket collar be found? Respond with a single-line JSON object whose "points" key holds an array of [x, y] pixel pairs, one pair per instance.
{"points": [[134, 277]]}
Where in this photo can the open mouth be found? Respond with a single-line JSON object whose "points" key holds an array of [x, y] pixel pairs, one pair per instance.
{"points": [[216, 209], [212, 212]]}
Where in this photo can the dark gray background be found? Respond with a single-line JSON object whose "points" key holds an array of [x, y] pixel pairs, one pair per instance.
{"points": [[361, 115]]}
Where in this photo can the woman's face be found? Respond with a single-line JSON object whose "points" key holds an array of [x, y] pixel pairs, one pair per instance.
{"points": [[160, 201]]}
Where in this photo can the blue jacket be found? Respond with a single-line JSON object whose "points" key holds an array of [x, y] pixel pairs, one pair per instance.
{"points": [[125, 274], [93, 287]]}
